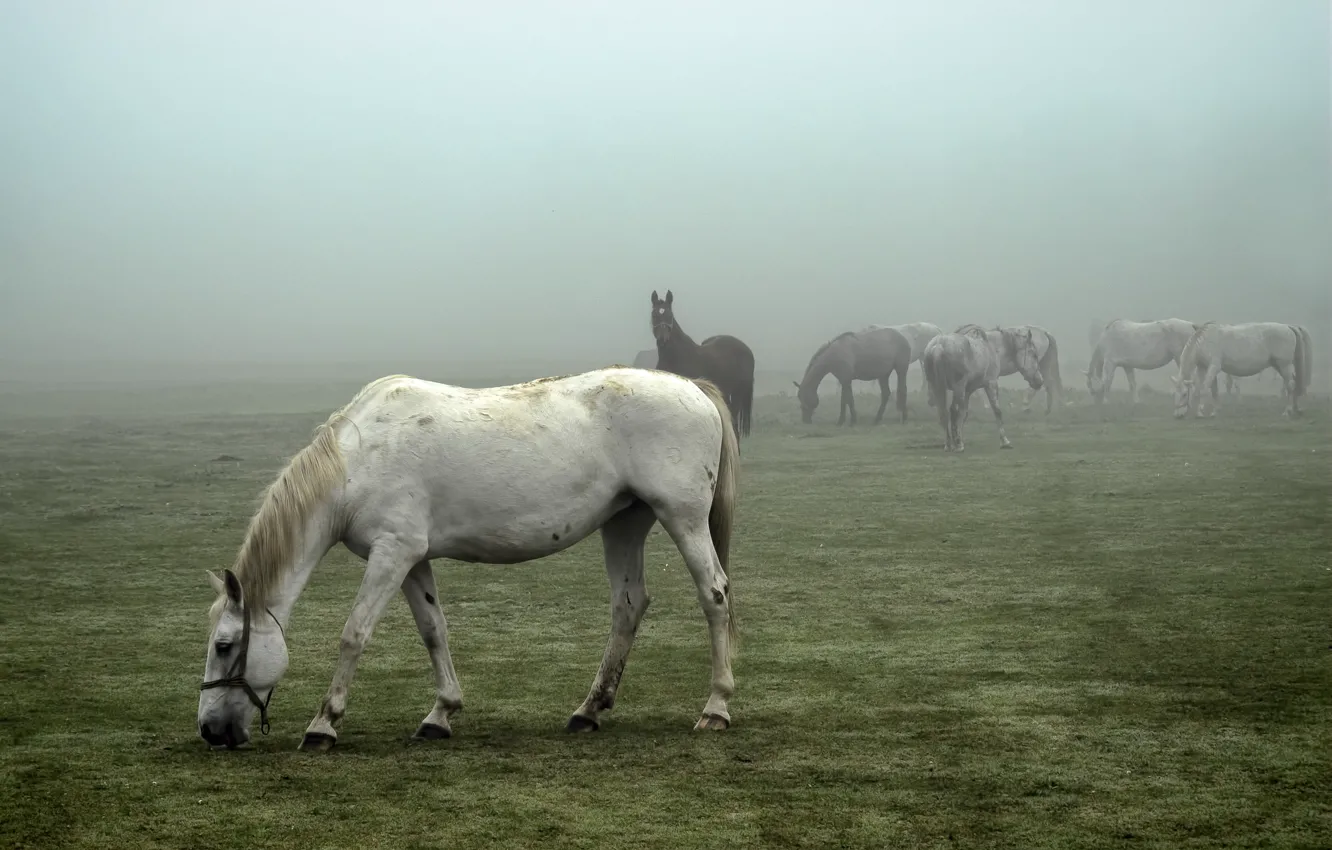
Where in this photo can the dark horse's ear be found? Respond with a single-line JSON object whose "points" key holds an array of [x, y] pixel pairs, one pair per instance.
{"points": [[669, 298], [797, 384], [655, 299]]}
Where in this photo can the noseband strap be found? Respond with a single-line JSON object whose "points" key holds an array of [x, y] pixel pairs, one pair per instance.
{"points": [[235, 677]]}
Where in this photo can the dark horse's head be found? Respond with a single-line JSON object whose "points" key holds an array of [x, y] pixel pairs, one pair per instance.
{"points": [[663, 320]]}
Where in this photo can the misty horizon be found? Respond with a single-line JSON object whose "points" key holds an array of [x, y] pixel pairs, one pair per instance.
{"points": [[195, 184]]}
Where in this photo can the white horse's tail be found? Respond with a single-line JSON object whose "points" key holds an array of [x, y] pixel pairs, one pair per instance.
{"points": [[722, 514], [1303, 360], [933, 368]]}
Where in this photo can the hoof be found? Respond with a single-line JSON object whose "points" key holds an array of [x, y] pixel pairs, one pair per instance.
{"points": [[711, 722], [1006, 446], [317, 742], [432, 732], [579, 723]]}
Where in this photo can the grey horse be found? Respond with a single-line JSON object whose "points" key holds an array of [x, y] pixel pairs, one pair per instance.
{"points": [[970, 360], [870, 354], [1047, 353]]}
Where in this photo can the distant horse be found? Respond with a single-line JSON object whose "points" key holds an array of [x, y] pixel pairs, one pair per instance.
{"points": [[871, 354], [1047, 352], [919, 335], [1130, 345], [1242, 350], [646, 359], [411, 470], [723, 360], [970, 360]]}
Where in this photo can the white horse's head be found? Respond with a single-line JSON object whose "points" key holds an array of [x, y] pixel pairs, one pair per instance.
{"points": [[1095, 384], [1027, 360], [247, 656], [1184, 396]]}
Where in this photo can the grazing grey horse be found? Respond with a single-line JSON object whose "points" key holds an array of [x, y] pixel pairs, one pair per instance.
{"points": [[968, 361], [1242, 350], [1047, 353], [870, 354], [1130, 345]]}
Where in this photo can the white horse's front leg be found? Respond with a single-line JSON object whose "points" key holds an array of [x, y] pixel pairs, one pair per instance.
{"points": [[1208, 382], [622, 539], [1108, 376], [389, 562], [1132, 378], [992, 393], [691, 535], [960, 412], [422, 597]]}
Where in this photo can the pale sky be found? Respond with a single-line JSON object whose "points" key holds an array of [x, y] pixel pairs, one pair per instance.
{"points": [[243, 181]]}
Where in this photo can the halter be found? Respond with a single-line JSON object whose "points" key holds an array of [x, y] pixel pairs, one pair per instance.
{"points": [[235, 677]]}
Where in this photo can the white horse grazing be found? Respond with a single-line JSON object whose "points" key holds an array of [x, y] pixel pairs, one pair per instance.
{"points": [[970, 360], [1242, 350], [412, 470], [919, 335], [1131, 345]]}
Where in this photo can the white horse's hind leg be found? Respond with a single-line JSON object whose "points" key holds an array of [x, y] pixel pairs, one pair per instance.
{"points": [[992, 393], [389, 562], [1287, 374], [1133, 385], [419, 590], [945, 417], [960, 412], [622, 539], [691, 536]]}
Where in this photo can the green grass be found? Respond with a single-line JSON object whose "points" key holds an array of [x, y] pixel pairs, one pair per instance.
{"points": [[1115, 635]]}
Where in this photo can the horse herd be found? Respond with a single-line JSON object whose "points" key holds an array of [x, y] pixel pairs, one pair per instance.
{"points": [[974, 358], [410, 471]]}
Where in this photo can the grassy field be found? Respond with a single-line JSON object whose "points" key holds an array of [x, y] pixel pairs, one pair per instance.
{"points": [[1115, 635]]}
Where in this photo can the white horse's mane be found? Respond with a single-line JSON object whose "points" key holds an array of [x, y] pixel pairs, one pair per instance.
{"points": [[269, 547]]}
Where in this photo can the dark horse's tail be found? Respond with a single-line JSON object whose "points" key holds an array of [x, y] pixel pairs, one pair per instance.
{"points": [[743, 405]]}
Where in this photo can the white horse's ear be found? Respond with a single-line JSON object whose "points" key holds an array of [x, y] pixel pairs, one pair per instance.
{"points": [[233, 588], [1085, 372], [1197, 327], [218, 585]]}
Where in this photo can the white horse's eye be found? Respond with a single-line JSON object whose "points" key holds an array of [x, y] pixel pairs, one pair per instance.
{"points": [[223, 648]]}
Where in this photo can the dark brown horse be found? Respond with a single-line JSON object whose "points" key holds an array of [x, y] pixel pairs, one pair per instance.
{"points": [[722, 359]]}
